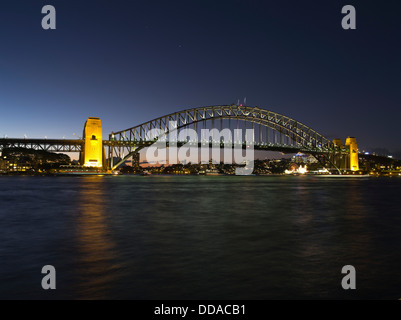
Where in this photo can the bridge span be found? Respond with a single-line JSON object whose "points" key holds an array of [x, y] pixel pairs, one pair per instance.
{"points": [[270, 131]]}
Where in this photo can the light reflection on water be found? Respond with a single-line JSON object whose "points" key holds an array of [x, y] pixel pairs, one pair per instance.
{"points": [[186, 237], [96, 249]]}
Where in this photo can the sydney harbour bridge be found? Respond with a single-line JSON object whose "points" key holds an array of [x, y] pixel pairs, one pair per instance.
{"points": [[271, 131]]}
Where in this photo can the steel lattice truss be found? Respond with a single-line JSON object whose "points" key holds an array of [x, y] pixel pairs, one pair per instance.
{"points": [[51, 145], [302, 135]]}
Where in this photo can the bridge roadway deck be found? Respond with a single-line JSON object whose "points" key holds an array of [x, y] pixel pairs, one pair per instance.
{"points": [[51, 145], [76, 145]]}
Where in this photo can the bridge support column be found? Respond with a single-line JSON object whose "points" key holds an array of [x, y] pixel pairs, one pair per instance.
{"points": [[110, 163], [340, 160], [93, 153], [353, 153]]}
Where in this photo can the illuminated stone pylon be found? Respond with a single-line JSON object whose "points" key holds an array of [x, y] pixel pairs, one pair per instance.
{"points": [[353, 153], [339, 160], [92, 155], [338, 143]]}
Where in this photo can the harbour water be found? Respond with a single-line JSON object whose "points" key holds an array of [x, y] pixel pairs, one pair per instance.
{"points": [[200, 237]]}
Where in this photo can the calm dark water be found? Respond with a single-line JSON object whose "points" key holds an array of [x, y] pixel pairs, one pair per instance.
{"points": [[172, 237]]}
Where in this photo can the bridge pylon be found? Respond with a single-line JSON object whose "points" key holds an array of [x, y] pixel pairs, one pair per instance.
{"points": [[353, 153], [348, 161], [92, 154]]}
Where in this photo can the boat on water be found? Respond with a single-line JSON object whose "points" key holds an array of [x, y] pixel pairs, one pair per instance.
{"points": [[83, 171], [213, 172]]}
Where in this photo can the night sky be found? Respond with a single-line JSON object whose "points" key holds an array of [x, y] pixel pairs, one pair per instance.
{"points": [[128, 62]]}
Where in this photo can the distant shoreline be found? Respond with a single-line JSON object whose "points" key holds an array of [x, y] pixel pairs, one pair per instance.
{"points": [[23, 174]]}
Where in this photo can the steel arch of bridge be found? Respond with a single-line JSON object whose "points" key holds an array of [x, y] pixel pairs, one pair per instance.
{"points": [[301, 135]]}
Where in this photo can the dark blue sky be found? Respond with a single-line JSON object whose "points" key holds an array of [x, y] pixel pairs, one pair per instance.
{"points": [[131, 61]]}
